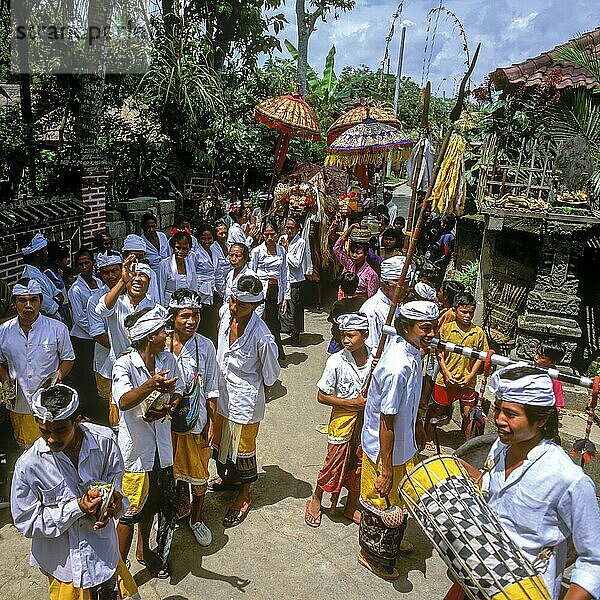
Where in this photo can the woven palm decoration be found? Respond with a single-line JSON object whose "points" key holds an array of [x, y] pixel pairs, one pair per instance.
{"points": [[290, 114], [356, 116], [368, 143]]}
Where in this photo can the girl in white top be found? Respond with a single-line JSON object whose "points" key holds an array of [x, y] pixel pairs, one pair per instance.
{"points": [[240, 231], [247, 361], [239, 257], [177, 271], [539, 495], [209, 282], [269, 263], [220, 252], [197, 365], [157, 244]]}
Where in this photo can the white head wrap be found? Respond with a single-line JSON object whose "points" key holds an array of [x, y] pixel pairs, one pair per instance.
{"points": [[425, 291], [148, 323], [134, 242], [104, 259], [533, 389], [37, 243], [31, 289], [41, 397], [420, 310], [353, 322], [391, 269], [191, 300], [247, 296], [140, 267]]}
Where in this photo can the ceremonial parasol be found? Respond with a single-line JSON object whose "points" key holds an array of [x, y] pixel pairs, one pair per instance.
{"points": [[368, 143], [293, 117], [356, 116]]}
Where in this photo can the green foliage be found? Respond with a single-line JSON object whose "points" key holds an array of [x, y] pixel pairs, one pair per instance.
{"points": [[468, 275]]}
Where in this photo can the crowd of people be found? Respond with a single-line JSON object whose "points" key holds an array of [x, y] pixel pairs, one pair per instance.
{"points": [[173, 342]]}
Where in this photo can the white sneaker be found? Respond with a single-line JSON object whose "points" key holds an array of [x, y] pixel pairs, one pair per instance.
{"points": [[202, 533]]}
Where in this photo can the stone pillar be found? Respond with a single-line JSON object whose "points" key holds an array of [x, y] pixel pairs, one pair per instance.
{"points": [[93, 195], [553, 304]]}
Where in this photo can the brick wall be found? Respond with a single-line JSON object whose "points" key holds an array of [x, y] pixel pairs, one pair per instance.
{"points": [[11, 259], [93, 195]]}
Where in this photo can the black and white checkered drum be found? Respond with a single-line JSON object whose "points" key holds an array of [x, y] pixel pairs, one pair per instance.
{"points": [[466, 533]]}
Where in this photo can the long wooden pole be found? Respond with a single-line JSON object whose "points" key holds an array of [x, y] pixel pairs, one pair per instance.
{"points": [[454, 116]]}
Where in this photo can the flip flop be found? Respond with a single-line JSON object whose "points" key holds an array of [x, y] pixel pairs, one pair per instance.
{"points": [[387, 573], [213, 486], [310, 519], [238, 517]]}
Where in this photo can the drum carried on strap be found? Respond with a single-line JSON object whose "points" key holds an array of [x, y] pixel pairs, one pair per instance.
{"points": [[466, 533]]}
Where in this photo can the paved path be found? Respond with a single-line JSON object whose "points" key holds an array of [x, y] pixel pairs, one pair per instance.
{"points": [[273, 554]]}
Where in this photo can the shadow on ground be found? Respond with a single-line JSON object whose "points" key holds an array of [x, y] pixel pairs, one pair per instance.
{"points": [[294, 358], [277, 390]]}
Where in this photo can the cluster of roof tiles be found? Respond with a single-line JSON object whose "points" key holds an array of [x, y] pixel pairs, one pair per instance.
{"points": [[535, 71], [16, 218]]}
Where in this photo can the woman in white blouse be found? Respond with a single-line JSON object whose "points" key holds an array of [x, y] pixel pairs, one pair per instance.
{"points": [[240, 231], [269, 263], [220, 252], [298, 257], [209, 282], [157, 244], [239, 257], [177, 271]]}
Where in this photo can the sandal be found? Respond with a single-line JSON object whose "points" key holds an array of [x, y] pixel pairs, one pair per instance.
{"points": [[163, 573], [387, 573], [234, 517], [310, 519]]}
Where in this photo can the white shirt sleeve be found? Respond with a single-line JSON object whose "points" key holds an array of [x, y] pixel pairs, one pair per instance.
{"points": [[65, 347], [328, 382], [32, 516], [162, 276], [392, 390], [295, 255], [102, 310], [210, 383], [121, 380], [267, 351], [579, 510], [254, 259], [96, 323], [285, 278], [78, 308]]}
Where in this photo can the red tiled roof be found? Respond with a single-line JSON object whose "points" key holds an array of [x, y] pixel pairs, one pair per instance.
{"points": [[534, 71]]}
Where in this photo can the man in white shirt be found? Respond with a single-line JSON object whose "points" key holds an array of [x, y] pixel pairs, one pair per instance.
{"points": [[35, 257], [247, 360], [127, 296], [136, 245], [377, 307], [391, 435], [82, 376], [109, 266], [147, 388], [32, 347], [540, 496], [72, 542]]}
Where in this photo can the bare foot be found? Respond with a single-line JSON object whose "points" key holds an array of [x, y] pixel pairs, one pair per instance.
{"points": [[315, 506]]}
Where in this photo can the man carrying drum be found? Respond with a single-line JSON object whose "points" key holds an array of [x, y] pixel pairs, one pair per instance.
{"points": [[390, 437], [538, 494]]}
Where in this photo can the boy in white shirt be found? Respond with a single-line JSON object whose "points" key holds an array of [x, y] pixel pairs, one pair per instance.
{"points": [[341, 387]]}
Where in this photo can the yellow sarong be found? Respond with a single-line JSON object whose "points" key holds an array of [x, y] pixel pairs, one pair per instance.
{"points": [[59, 590], [25, 428], [136, 486], [191, 455], [370, 471]]}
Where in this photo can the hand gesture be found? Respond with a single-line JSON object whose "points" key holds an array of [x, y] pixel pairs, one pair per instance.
{"points": [[158, 382], [128, 269], [383, 484], [89, 502], [114, 508]]}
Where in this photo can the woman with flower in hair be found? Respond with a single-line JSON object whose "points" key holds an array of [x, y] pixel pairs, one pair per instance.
{"points": [[239, 232]]}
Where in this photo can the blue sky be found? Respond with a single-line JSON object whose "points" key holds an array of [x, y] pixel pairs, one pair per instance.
{"points": [[509, 31]]}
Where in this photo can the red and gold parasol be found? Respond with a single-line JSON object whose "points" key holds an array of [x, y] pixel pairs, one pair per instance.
{"points": [[293, 117], [357, 115]]}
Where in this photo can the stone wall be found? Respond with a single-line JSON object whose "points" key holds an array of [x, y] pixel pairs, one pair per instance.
{"points": [[93, 196], [126, 216]]}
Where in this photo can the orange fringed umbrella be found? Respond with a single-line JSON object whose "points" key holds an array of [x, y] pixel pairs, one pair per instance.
{"points": [[293, 117], [357, 115]]}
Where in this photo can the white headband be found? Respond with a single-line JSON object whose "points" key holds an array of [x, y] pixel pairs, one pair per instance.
{"points": [[191, 300], [46, 416], [143, 268], [353, 322], [425, 291], [391, 268], [134, 242], [247, 296], [31, 289], [534, 389], [148, 323], [420, 310], [37, 243], [106, 259]]}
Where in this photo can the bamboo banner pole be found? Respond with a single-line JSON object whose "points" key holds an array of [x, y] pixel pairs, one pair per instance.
{"points": [[454, 116]]}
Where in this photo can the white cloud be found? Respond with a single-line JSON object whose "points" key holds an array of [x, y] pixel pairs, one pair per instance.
{"points": [[523, 22]]}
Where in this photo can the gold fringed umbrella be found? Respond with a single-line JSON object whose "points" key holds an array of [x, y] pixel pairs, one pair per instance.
{"points": [[368, 143], [357, 115]]}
